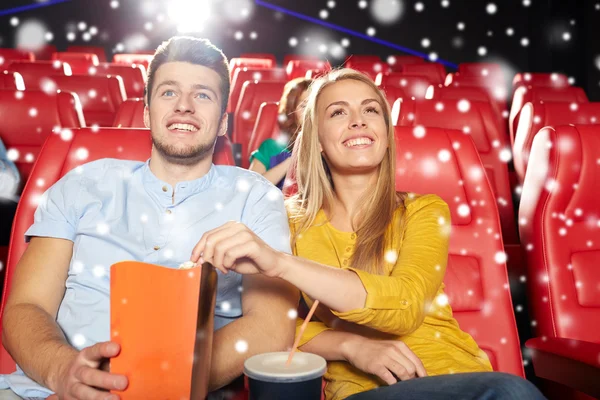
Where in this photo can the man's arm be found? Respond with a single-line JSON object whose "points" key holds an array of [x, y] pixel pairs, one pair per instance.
{"points": [[265, 326], [30, 332]]}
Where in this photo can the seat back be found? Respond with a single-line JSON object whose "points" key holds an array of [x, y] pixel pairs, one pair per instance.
{"points": [[293, 57], [133, 76], [262, 56], [80, 62], [552, 80], [361, 58], [97, 50], [129, 59], [561, 229], [434, 72], [239, 62], [28, 117], [253, 94], [477, 120], [397, 62], [8, 55], [100, 96], [393, 93], [36, 74], [412, 85], [490, 70], [299, 68], [535, 116], [476, 278], [372, 69], [265, 127], [131, 115], [56, 158], [11, 81], [244, 74], [45, 52], [536, 94]]}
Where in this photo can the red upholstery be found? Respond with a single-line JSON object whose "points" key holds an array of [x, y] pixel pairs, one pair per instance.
{"points": [[494, 85], [393, 93], [100, 96], [128, 59], [561, 214], [80, 62], [535, 116], [36, 73], [97, 50], [434, 72], [361, 58], [27, 118], [315, 73], [553, 80], [134, 76], [265, 127], [397, 62], [264, 56], [45, 53], [131, 115], [236, 63], [8, 55], [293, 57], [372, 69], [11, 81], [298, 68], [241, 75], [477, 121], [253, 95], [523, 94], [481, 69], [412, 85], [476, 278]]}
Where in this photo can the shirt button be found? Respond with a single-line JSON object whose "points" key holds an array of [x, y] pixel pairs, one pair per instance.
{"points": [[169, 211], [164, 188], [404, 302], [348, 249], [353, 236], [156, 247], [345, 262]]}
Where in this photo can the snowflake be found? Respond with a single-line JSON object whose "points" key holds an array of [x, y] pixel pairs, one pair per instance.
{"points": [[292, 313], [241, 346]]}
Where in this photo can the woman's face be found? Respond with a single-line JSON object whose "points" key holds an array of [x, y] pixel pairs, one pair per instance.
{"points": [[352, 129]]}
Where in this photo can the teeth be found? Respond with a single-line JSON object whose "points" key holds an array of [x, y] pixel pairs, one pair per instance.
{"points": [[183, 127], [358, 142]]}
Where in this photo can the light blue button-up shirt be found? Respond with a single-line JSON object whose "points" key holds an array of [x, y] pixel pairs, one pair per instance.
{"points": [[115, 210]]}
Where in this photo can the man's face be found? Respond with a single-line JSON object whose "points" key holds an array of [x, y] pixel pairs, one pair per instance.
{"points": [[184, 115]]}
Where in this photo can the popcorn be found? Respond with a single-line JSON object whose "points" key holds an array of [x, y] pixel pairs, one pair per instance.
{"points": [[187, 265]]}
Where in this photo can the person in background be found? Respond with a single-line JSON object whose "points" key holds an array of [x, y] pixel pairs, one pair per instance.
{"points": [[272, 158], [375, 258]]}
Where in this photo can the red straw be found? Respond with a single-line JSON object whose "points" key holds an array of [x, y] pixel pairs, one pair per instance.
{"points": [[301, 332]]}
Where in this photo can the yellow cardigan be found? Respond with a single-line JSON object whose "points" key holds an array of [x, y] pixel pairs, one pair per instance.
{"points": [[408, 301]]}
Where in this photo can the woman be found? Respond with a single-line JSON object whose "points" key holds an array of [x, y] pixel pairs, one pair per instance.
{"points": [[272, 158], [378, 260]]}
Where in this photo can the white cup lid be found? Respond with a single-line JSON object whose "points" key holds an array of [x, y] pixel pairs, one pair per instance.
{"points": [[270, 367]]}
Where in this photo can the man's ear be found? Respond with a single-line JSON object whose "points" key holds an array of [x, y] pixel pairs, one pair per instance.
{"points": [[146, 117], [223, 126]]}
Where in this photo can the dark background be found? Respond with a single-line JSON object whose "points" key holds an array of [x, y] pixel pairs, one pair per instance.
{"points": [[543, 22]]}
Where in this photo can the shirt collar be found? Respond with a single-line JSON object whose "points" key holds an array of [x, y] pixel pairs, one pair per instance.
{"points": [[164, 191]]}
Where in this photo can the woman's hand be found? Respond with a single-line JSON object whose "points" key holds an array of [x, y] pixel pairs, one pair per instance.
{"points": [[390, 360], [234, 247]]}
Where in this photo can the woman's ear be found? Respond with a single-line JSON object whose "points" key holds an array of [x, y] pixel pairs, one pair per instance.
{"points": [[146, 117]]}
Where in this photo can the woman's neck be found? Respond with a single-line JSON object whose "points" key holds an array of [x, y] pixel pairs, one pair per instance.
{"points": [[348, 194]]}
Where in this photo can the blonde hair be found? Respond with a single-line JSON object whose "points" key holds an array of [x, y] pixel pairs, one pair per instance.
{"points": [[315, 186]]}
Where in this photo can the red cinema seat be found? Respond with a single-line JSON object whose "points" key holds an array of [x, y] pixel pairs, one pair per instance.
{"points": [[372, 69], [263, 56], [315, 73], [129, 59], [476, 277], [265, 127], [397, 62], [131, 115], [412, 85], [476, 119], [100, 96], [485, 70], [236, 63], [494, 85], [28, 117], [293, 57], [45, 53], [242, 75], [80, 62], [253, 95], [560, 216], [361, 58], [526, 94], [36, 74], [434, 72], [533, 117], [11, 81], [97, 50], [552, 80], [299, 68], [134, 76], [8, 55], [393, 93]]}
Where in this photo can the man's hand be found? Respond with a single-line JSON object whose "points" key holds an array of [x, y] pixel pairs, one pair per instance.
{"points": [[83, 378], [390, 360]]}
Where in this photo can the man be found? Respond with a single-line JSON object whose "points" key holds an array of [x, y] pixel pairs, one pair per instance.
{"points": [[56, 322]]}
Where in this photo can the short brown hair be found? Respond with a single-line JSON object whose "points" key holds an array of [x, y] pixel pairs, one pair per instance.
{"points": [[289, 104], [194, 51]]}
